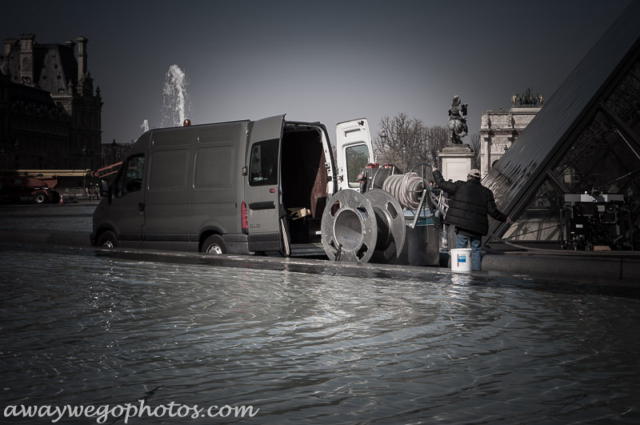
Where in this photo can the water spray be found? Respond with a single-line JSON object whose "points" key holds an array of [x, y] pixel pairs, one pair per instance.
{"points": [[175, 99]]}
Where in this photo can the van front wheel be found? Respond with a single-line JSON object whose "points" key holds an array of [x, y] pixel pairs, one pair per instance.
{"points": [[107, 239], [214, 244]]}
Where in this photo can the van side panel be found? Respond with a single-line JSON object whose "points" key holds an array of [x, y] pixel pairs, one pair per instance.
{"points": [[218, 187], [167, 197], [195, 187]]}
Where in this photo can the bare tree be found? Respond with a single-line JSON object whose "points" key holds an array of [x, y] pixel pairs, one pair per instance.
{"points": [[436, 140], [396, 139], [476, 145], [405, 141]]}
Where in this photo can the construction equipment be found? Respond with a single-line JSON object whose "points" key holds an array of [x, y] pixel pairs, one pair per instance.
{"points": [[41, 190], [106, 171], [369, 224]]}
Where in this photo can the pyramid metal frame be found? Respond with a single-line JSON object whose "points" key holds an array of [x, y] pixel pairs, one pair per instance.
{"points": [[528, 163]]}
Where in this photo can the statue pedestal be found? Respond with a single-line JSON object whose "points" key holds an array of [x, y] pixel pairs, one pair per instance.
{"points": [[456, 162]]}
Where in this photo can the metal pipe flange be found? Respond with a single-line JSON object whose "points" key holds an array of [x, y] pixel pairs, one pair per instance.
{"points": [[349, 228], [391, 226]]}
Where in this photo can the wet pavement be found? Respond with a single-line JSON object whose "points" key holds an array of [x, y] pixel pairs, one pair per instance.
{"points": [[305, 341], [74, 218]]}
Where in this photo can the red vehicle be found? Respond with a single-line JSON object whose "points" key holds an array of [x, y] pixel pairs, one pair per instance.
{"points": [[15, 188]]}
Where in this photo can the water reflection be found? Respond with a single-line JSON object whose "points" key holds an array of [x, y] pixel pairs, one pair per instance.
{"points": [[316, 348], [57, 218]]}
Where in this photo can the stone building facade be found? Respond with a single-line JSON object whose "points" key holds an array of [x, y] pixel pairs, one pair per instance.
{"points": [[50, 114], [499, 129]]}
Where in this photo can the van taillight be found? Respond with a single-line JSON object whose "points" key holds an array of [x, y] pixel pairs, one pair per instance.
{"points": [[245, 218]]}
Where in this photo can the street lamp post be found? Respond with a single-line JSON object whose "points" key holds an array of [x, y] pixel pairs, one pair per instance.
{"points": [[16, 151], [384, 136], [405, 167], [114, 148], [84, 171]]}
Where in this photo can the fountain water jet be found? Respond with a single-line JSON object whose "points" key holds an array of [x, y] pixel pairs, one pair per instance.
{"points": [[175, 102]]}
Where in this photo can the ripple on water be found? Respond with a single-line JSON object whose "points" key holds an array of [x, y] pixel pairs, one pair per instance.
{"points": [[81, 329]]}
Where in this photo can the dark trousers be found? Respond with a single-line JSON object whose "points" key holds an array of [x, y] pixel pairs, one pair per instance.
{"points": [[463, 241]]}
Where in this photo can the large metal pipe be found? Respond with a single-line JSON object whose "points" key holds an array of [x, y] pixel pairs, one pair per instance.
{"points": [[363, 228]]}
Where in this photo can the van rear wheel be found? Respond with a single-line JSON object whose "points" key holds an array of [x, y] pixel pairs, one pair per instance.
{"points": [[214, 244], [107, 239]]}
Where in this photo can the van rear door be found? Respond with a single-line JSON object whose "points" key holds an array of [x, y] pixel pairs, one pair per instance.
{"points": [[355, 151], [262, 184]]}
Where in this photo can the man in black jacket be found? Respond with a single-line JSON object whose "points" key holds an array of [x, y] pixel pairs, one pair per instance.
{"points": [[468, 208]]}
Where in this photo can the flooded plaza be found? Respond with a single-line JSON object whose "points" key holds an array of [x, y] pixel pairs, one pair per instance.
{"points": [[83, 327]]}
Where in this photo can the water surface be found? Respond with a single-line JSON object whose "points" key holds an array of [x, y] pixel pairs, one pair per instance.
{"points": [[80, 328], [48, 217]]}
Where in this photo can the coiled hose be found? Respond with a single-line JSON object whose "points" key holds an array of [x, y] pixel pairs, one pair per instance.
{"points": [[406, 188]]}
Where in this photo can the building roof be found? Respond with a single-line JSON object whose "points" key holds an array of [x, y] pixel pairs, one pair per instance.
{"points": [[54, 65], [522, 169]]}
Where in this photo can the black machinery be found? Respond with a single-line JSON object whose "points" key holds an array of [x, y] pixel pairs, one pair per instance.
{"points": [[597, 222]]}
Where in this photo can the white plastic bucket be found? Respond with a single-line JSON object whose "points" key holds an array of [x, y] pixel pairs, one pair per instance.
{"points": [[461, 260]]}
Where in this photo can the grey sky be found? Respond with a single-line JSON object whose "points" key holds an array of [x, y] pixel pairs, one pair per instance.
{"points": [[326, 61]]}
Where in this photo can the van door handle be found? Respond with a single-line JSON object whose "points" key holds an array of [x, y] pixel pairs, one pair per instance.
{"points": [[141, 206], [269, 205]]}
